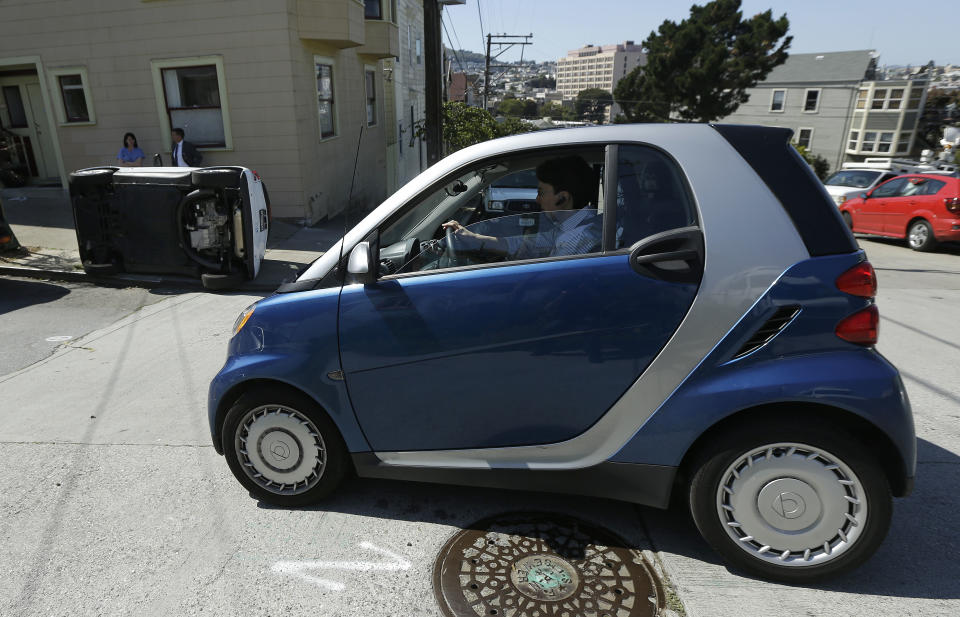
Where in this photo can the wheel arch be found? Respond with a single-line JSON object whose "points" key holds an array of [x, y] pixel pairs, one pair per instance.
{"points": [[857, 427], [916, 216], [233, 394]]}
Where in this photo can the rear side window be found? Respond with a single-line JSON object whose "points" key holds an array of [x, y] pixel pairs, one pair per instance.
{"points": [[768, 151], [930, 187], [652, 195]]}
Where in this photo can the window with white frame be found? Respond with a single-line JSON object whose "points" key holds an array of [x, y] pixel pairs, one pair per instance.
{"points": [[325, 97], [192, 96], [875, 141], [879, 98], [895, 98], [862, 98], [370, 79], [885, 143], [778, 99], [811, 100], [804, 137], [74, 104], [852, 140]]}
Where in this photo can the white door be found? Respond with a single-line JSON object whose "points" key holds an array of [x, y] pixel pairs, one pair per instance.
{"points": [[26, 117]]}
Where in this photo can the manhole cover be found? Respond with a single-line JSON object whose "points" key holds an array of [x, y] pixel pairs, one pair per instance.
{"points": [[542, 565]]}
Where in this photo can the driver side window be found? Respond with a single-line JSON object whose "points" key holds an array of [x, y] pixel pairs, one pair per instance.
{"points": [[890, 189], [532, 206]]}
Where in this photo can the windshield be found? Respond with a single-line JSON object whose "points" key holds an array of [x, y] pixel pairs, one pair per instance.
{"points": [[522, 180], [859, 179]]}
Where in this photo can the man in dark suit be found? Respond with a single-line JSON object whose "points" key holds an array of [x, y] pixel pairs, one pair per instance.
{"points": [[184, 153]]}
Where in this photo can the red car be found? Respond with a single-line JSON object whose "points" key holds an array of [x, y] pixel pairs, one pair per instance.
{"points": [[923, 208]]}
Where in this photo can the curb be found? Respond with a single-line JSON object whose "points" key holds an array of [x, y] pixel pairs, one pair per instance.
{"points": [[125, 281]]}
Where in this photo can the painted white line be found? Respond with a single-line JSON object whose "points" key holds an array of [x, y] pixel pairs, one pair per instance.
{"points": [[58, 339], [304, 569]]}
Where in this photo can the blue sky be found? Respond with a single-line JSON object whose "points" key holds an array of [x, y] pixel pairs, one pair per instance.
{"points": [[901, 32]]}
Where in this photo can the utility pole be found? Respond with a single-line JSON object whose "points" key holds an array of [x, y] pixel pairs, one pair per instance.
{"points": [[434, 79], [504, 42]]}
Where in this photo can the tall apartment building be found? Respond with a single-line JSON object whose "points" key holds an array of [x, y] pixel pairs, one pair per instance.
{"points": [[597, 67]]}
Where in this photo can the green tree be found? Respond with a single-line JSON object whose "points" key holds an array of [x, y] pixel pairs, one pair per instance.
{"points": [[464, 126], [556, 111], [591, 104], [699, 70], [518, 108], [818, 163], [513, 126]]}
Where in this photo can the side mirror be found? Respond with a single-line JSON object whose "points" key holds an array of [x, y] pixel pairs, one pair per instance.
{"points": [[360, 264], [863, 195]]}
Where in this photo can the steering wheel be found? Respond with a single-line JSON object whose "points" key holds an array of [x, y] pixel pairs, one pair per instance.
{"points": [[451, 249]]}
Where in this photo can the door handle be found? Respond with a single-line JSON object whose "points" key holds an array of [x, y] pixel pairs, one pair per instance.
{"points": [[684, 244], [687, 255]]}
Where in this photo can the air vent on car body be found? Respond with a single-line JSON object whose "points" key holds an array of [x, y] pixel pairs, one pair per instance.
{"points": [[768, 330]]}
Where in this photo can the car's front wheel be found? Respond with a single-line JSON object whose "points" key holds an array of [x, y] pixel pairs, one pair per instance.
{"points": [[847, 219], [791, 504], [283, 447]]}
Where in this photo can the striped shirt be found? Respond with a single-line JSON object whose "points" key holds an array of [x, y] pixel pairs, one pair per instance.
{"points": [[576, 233]]}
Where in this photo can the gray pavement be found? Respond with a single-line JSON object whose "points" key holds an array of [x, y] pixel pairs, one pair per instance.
{"points": [[113, 502]]}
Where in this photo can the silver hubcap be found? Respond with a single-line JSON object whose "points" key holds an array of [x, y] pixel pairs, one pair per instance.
{"points": [[280, 449], [791, 504], [918, 235]]}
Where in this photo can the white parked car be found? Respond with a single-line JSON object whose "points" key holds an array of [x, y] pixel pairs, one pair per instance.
{"points": [[848, 183]]}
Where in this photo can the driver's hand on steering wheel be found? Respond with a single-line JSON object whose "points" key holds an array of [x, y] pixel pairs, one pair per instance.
{"points": [[457, 228]]}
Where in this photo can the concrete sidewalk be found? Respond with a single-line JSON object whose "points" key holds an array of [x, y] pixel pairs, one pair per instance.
{"points": [[42, 219]]}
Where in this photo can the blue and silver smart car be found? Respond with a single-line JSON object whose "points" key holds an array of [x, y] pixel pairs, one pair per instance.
{"points": [[686, 316]]}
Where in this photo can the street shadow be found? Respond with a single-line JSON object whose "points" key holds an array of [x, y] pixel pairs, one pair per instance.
{"points": [[37, 207], [16, 294], [917, 559]]}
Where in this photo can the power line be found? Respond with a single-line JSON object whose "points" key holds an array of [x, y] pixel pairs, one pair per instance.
{"points": [[455, 54], [455, 35], [483, 36]]}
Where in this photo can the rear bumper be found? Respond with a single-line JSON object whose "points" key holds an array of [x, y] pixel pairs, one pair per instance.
{"points": [[947, 229]]}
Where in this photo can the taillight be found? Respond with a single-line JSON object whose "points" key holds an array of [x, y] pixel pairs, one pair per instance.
{"points": [[952, 203], [859, 280], [861, 328]]}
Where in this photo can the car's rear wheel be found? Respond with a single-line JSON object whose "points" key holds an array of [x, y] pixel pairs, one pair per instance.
{"points": [[920, 236], [789, 503], [848, 220], [283, 447]]}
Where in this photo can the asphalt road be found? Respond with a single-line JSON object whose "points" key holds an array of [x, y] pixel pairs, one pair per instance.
{"points": [[37, 317], [112, 501]]}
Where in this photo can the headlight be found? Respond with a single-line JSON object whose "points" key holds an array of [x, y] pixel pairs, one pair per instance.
{"points": [[841, 199], [242, 319], [496, 205]]}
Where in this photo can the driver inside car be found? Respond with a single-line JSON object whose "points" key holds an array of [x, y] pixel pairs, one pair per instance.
{"points": [[566, 189]]}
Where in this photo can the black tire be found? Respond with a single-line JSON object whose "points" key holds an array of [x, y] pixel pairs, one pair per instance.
{"points": [[101, 269], [848, 220], [286, 407], [215, 178], [97, 176], [788, 471], [920, 236], [216, 282]]}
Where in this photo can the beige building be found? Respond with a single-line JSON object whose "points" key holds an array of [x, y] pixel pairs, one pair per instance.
{"points": [[597, 67], [283, 87]]}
